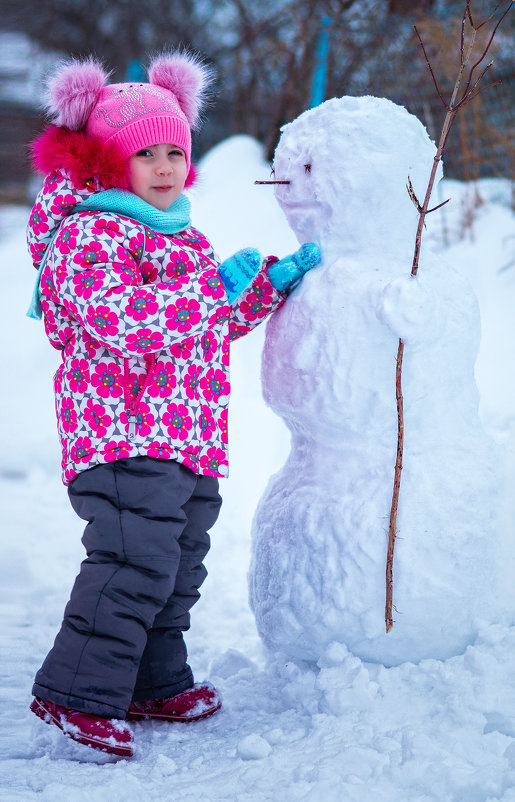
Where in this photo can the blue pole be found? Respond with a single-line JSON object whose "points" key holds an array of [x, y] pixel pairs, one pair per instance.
{"points": [[319, 85], [135, 73]]}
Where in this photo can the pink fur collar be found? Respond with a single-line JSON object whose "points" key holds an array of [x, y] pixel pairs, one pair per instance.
{"points": [[81, 156]]}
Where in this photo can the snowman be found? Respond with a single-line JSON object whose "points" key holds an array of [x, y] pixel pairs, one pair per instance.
{"points": [[317, 573]]}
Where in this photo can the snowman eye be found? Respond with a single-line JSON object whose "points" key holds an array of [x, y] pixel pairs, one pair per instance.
{"points": [[307, 168], [272, 170]]}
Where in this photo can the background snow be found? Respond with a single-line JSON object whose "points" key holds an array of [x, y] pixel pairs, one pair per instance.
{"points": [[439, 730]]}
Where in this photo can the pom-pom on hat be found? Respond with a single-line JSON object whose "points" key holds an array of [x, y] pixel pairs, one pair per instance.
{"points": [[132, 116]]}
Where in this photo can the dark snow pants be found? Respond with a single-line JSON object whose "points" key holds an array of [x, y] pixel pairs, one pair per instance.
{"points": [[146, 538]]}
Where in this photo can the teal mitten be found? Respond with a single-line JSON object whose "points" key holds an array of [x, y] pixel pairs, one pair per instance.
{"points": [[288, 271], [237, 271]]}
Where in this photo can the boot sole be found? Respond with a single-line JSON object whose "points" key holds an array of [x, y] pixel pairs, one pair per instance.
{"points": [[38, 707], [171, 717]]}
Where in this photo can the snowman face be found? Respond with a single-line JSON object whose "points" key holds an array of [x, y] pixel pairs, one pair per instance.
{"points": [[301, 199]]}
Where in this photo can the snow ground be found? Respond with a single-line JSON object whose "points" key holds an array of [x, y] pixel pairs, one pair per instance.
{"points": [[439, 731]]}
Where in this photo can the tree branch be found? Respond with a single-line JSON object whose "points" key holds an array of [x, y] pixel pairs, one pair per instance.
{"points": [[452, 108]]}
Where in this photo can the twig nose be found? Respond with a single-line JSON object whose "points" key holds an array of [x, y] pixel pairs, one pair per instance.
{"points": [[272, 182]]}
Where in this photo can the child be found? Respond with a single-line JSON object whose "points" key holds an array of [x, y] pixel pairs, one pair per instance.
{"points": [[143, 313]]}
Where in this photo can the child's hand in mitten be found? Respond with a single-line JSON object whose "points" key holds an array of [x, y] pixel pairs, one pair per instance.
{"points": [[237, 271], [288, 271]]}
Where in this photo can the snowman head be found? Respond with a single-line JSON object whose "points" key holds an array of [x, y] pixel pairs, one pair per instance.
{"points": [[347, 162]]}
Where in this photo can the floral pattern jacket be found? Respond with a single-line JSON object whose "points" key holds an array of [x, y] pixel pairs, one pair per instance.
{"points": [[143, 324]]}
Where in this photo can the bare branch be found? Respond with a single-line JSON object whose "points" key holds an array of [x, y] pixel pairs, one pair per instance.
{"points": [[469, 15], [474, 85], [499, 4], [487, 48], [438, 207], [452, 108], [430, 68], [470, 98]]}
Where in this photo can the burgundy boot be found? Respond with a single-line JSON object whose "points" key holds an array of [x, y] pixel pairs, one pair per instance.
{"points": [[108, 735], [198, 702]]}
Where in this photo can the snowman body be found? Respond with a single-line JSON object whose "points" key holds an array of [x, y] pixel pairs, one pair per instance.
{"points": [[320, 531]]}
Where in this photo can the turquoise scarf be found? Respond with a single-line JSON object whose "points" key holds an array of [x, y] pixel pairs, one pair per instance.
{"points": [[175, 218]]}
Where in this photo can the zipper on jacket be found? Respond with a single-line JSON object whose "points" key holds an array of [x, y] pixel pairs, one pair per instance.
{"points": [[132, 404]]}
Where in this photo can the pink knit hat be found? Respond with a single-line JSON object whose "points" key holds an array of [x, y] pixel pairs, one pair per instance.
{"points": [[131, 116]]}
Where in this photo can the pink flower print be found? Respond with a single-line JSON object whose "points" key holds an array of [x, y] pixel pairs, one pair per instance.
{"points": [[144, 340], [179, 264], [63, 205], [103, 320], [37, 249], [103, 227], [88, 282], [262, 288], [64, 451], [116, 450], [226, 349], [78, 375], [206, 422], [136, 245], [204, 261], [38, 221], [68, 414], [183, 315], [69, 476], [163, 380], [82, 450], [183, 349], [190, 457], [153, 240], [51, 182], [126, 269], [159, 450], [90, 344], [212, 461], [174, 283], [47, 285], [91, 254], [195, 239], [95, 415], [49, 318], [177, 421], [135, 384], [211, 284], [190, 382], [220, 316], [214, 384], [66, 240], [107, 380], [144, 420], [223, 426], [142, 304], [60, 272], [72, 309], [58, 380], [252, 308], [209, 345], [149, 272], [236, 331], [67, 338]]}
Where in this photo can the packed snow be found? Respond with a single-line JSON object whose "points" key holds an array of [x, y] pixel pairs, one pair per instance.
{"points": [[340, 728]]}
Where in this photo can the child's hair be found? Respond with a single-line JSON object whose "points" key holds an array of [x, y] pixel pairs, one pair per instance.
{"points": [[123, 118]]}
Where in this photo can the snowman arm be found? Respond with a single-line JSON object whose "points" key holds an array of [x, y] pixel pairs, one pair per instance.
{"points": [[257, 301]]}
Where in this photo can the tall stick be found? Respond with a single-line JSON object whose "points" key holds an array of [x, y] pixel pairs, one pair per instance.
{"points": [[453, 106]]}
